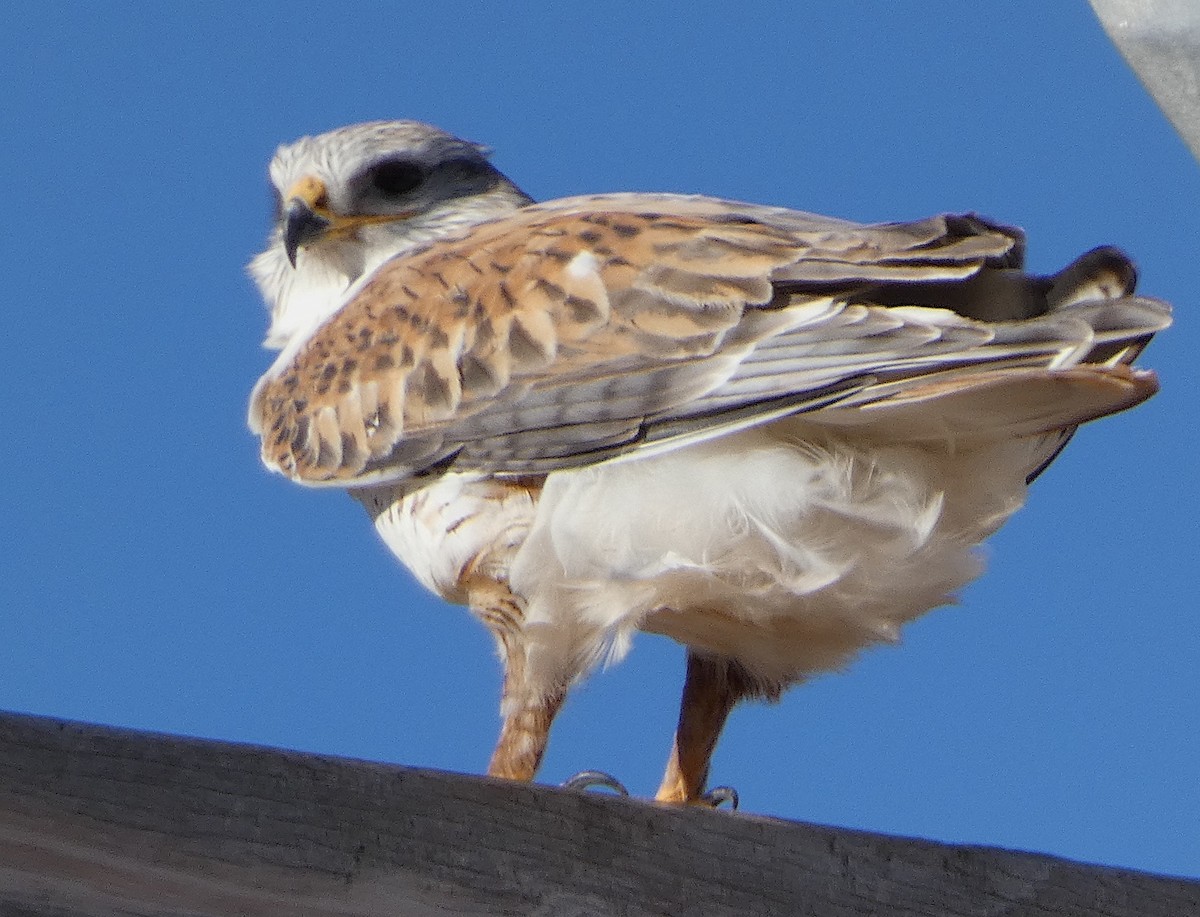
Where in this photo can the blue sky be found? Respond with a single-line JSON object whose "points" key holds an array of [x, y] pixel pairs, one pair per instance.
{"points": [[153, 575]]}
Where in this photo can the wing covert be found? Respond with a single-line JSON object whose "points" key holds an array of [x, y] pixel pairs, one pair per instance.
{"points": [[563, 333]]}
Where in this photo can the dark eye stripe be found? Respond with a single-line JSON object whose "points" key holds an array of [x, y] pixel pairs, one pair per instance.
{"points": [[396, 177]]}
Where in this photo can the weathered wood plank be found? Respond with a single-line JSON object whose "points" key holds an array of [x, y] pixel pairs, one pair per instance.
{"points": [[100, 821]]}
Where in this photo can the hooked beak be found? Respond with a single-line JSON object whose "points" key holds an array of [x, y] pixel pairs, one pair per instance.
{"points": [[307, 216], [301, 225]]}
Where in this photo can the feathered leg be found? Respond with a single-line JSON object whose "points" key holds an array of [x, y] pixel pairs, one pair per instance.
{"points": [[527, 720], [526, 728], [714, 684]]}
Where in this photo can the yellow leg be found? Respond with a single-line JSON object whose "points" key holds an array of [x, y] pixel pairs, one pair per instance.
{"points": [[712, 686]]}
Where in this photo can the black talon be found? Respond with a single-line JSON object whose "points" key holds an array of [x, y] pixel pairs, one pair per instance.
{"points": [[719, 795], [585, 780]]}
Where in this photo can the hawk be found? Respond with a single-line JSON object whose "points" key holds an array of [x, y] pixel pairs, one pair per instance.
{"points": [[772, 436]]}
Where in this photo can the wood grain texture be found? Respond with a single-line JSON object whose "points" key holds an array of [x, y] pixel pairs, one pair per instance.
{"points": [[100, 821]]}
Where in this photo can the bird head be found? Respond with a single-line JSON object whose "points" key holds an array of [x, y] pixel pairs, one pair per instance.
{"points": [[350, 199]]}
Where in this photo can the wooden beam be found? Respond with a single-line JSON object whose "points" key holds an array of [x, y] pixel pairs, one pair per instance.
{"points": [[101, 821]]}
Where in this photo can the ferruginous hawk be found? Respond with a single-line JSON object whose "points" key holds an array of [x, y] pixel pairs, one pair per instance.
{"points": [[772, 436]]}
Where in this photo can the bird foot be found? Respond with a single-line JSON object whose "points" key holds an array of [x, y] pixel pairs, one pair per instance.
{"points": [[719, 795], [586, 780]]}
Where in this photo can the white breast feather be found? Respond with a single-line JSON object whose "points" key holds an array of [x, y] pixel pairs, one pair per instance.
{"points": [[458, 521], [785, 547]]}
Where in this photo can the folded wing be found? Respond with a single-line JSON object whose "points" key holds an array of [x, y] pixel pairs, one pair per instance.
{"points": [[587, 328]]}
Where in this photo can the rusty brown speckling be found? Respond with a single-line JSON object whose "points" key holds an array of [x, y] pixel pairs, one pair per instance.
{"points": [[436, 335]]}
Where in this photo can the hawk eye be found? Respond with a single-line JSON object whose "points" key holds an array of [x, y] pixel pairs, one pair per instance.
{"points": [[396, 177]]}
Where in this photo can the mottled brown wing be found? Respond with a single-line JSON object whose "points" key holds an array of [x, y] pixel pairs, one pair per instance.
{"points": [[549, 337]]}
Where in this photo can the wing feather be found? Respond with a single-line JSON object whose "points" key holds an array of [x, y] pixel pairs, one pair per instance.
{"points": [[573, 331]]}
